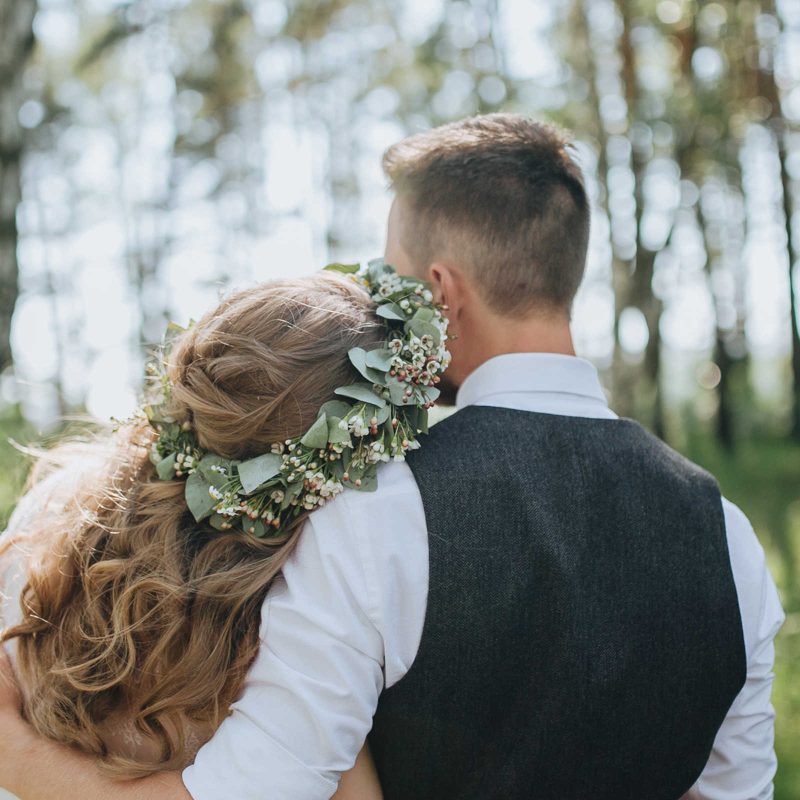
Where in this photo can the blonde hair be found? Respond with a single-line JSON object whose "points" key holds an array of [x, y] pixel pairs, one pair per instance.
{"points": [[132, 605]]}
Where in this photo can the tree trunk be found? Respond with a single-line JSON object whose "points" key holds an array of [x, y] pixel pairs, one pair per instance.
{"points": [[641, 286], [768, 89], [16, 43], [793, 255], [586, 57]]}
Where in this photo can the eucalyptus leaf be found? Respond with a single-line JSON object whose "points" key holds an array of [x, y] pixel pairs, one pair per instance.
{"points": [[376, 376], [376, 268], [347, 457], [338, 468], [424, 314], [213, 476], [334, 408], [431, 393], [358, 358], [383, 414], [416, 418], [336, 435], [317, 435], [259, 470], [410, 415], [291, 491], [353, 473], [391, 311], [347, 269], [255, 527], [396, 390], [166, 467], [216, 521], [388, 435], [425, 328], [200, 502], [379, 359], [369, 480], [362, 392]]}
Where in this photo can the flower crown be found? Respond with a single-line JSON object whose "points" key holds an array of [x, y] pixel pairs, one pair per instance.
{"points": [[376, 420]]}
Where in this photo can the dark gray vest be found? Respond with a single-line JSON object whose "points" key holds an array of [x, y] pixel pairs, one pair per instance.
{"points": [[582, 639]]}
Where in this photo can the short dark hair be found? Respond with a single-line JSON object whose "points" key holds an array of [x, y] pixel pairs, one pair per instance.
{"points": [[500, 194]]}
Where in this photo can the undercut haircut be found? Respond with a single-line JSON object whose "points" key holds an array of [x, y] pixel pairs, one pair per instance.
{"points": [[501, 196]]}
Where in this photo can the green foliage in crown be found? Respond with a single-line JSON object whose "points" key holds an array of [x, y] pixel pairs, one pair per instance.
{"points": [[373, 421]]}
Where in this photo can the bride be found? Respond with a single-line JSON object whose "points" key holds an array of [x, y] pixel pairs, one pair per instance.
{"points": [[129, 624]]}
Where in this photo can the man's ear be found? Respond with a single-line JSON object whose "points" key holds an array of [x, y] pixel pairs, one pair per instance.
{"points": [[448, 286]]}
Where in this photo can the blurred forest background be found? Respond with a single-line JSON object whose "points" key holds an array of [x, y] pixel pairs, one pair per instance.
{"points": [[156, 152]]}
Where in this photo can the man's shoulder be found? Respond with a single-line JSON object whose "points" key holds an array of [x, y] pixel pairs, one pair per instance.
{"points": [[681, 465], [395, 494], [759, 602], [747, 555]]}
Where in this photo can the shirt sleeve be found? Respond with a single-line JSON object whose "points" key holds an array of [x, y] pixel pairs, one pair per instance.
{"points": [[742, 764], [311, 694]]}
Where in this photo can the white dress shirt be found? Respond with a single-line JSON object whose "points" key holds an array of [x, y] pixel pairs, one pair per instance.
{"points": [[345, 620]]}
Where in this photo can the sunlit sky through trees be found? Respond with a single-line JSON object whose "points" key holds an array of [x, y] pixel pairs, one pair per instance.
{"points": [[109, 187]]}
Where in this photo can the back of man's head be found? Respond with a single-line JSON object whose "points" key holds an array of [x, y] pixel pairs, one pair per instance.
{"points": [[500, 196]]}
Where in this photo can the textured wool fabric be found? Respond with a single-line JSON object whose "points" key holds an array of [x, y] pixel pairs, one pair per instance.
{"points": [[582, 637]]}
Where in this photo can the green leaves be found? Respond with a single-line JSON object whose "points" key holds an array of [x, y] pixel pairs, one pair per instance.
{"points": [[153, 413], [347, 269], [216, 521], [198, 498], [430, 393], [379, 359], [362, 392], [291, 491], [376, 268], [424, 314], [391, 311], [358, 358], [354, 432], [256, 527], [416, 418], [166, 467], [316, 437], [216, 469], [334, 408], [369, 480], [382, 414], [175, 329], [257, 471], [420, 329], [336, 435], [396, 392]]}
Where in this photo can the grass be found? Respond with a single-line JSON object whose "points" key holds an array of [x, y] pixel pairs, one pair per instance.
{"points": [[13, 464], [763, 478]]}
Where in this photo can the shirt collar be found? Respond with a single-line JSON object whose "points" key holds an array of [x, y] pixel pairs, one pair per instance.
{"points": [[551, 373]]}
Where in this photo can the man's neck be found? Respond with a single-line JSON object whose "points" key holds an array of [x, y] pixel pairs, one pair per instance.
{"points": [[536, 334]]}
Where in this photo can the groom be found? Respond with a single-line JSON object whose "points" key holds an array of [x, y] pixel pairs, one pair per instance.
{"points": [[543, 602]]}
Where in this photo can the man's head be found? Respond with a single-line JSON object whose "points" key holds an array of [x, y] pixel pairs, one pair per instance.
{"points": [[494, 208]]}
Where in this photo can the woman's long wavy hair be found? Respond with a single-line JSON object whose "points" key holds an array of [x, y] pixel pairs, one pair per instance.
{"points": [[130, 606]]}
